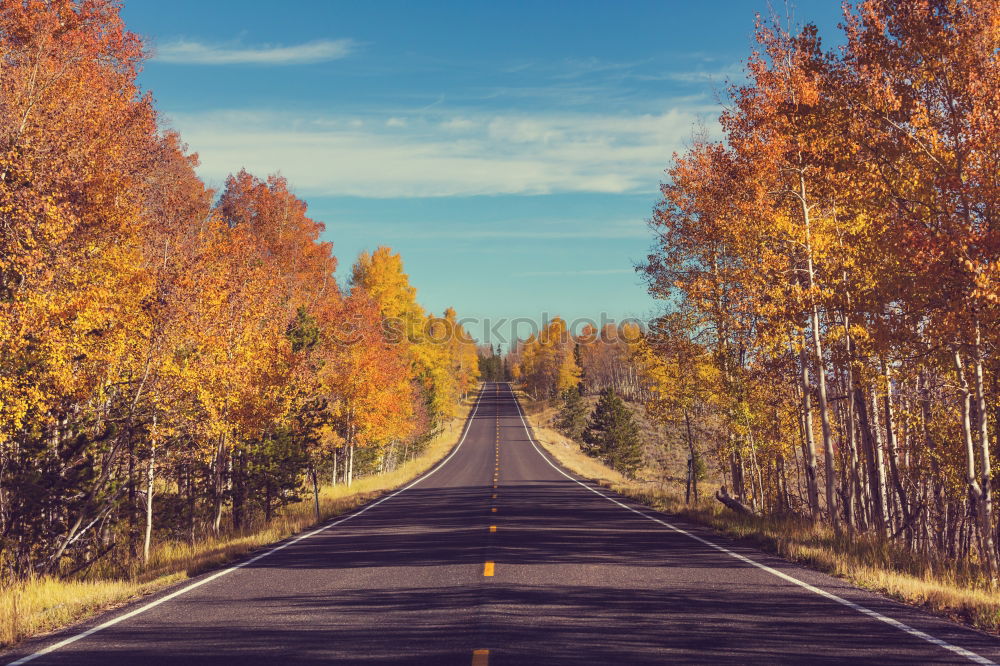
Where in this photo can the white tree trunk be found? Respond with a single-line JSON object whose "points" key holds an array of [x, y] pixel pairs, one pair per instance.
{"points": [[350, 466], [150, 475]]}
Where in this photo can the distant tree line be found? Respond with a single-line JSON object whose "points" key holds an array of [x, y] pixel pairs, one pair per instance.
{"points": [[590, 360], [493, 364]]}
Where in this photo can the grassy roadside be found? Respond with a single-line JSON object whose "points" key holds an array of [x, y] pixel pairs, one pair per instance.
{"points": [[873, 564], [33, 607]]}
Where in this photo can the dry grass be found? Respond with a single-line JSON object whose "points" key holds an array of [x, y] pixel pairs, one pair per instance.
{"points": [[32, 607], [870, 563]]}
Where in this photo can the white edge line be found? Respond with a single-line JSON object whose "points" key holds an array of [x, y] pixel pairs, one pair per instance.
{"points": [[142, 609], [971, 656]]}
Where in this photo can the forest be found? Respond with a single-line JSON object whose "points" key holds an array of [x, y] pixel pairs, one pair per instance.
{"points": [[834, 261], [176, 362], [828, 266], [830, 270]]}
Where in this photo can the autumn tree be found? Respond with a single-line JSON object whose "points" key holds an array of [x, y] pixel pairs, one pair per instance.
{"points": [[547, 362], [169, 368], [830, 255]]}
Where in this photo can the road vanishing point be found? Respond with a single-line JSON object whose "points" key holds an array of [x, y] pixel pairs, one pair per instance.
{"points": [[500, 556]]}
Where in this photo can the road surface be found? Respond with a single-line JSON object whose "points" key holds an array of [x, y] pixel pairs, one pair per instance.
{"points": [[500, 557]]}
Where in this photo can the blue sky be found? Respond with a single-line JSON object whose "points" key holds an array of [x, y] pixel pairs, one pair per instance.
{"points": [[511, 151]]}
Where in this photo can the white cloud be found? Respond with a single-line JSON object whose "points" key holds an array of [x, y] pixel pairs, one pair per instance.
{"points": [[484, 154], [524, 130], [188, 52], [733, 72], [457, 123], [395, 122]]}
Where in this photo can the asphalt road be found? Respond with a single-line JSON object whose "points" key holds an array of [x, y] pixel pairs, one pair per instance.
{"points": [[499, 557]]}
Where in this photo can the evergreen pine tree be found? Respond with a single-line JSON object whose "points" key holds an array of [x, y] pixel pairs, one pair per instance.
{"points": [[572, 418], [613, 435], [581, 386]]}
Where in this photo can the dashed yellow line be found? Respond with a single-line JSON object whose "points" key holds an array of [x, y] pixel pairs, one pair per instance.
{"points": [[480, 658], [493, 510], [493, 528], [488, 569]]}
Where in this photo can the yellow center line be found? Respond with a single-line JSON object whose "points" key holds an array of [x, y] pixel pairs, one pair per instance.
{"points": [[488, 569], [480, 658], [493, 510], [493, 528]]}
